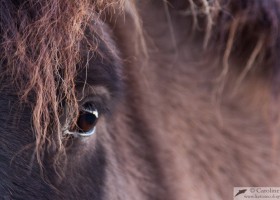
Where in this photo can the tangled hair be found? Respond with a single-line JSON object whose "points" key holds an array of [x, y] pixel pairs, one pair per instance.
{"points": [[247, 31], [40, 49]]}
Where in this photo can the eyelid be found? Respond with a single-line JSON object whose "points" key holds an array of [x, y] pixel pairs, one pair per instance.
{"points": [[93, 111], [86, 134], [88, 91], [92, 102], [77, 134]]}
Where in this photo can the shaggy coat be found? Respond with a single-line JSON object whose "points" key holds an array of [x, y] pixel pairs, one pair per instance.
{"points": [[186, 90]]}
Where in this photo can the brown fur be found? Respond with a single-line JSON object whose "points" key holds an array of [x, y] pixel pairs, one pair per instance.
{"points": [[200, 106], [207, 94]]}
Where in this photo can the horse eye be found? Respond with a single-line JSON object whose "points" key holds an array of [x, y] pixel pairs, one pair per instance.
{"points": [[87, 120], [85, 125]]}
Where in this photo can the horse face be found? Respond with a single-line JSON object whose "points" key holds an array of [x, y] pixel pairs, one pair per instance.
{"points": [[149, 110]]}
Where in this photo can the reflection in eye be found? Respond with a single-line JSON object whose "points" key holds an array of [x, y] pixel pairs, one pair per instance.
{"points": [[86, 123]]}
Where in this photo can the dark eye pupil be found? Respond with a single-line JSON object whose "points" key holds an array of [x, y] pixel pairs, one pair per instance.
{"points": [[86, 121]]}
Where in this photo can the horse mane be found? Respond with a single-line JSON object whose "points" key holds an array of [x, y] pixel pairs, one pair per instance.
{"points": [[247, 31], [40, 49]]}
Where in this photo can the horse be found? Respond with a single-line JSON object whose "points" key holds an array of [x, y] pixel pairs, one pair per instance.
{"points": [[122, 99]]}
